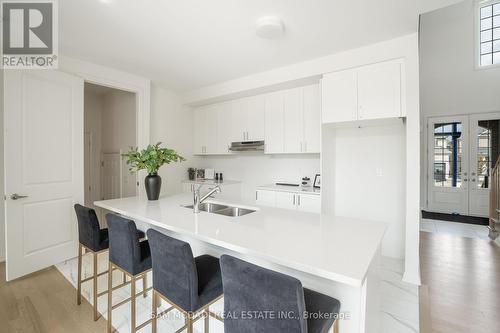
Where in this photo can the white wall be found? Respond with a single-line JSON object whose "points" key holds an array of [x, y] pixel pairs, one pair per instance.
{"points": [[449, 82], [93, 109], [369, 178], [172, 124], [119, 131], [2, 202], [255, 169]]}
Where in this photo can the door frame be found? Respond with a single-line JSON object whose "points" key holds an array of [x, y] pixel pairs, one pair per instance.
{"points": [[109, 77], [425, 148], [112, 78]]}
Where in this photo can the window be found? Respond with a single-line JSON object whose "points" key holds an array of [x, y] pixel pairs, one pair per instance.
{"points": [[489, 33], [448, 155]]}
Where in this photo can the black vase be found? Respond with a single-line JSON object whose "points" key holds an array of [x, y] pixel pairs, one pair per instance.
{"points": [[153, 186]]}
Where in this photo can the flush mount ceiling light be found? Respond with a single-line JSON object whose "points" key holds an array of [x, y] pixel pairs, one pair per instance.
{"points": [[270, 27]]}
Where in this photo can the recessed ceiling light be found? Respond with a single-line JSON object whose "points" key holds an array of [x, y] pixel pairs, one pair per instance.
{"points": [[270, 27]]}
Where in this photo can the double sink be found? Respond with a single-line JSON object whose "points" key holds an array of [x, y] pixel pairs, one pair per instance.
{"points": [[222, 209]]}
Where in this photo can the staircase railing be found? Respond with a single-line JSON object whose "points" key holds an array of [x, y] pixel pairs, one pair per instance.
{"points": [[494, 215]]}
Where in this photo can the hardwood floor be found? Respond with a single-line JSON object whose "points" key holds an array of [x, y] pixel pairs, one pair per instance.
{"points": [[460, 289], [44, 302]]}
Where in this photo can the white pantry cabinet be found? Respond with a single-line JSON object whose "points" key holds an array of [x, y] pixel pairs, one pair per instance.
{"points": [[363, 93], [289, 200]]}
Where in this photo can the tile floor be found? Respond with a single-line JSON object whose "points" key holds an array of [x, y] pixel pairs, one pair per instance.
{"points": [[454, 228]]}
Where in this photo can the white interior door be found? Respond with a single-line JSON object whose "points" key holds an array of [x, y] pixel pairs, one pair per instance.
{"points": [[44, 162], [485, 144], [111, 176], [448, 156]]}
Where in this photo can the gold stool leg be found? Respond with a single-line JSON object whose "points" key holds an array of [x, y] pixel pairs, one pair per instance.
{"points": [[336, 326], [96, 314], [79, 278], [144, 284], [110, 296], [132, 305], [189, 322], [154, 312], [207, 320]]}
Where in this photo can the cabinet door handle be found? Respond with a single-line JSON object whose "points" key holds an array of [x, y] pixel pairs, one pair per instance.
{"points": [[298, 200], [294, 199], [256, 195]]}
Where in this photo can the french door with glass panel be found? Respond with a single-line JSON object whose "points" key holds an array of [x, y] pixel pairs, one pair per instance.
{"points": [[462, 150]]}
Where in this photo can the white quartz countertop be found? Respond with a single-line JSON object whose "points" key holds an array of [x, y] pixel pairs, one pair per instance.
{"points": [[336, 248], [292, 189], [211, 182]]}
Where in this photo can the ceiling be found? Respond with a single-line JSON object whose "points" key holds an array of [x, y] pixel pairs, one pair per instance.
{"points": [[187, 44]]}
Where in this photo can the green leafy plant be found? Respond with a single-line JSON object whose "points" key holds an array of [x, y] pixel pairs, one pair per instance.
{"points": [[151, 158]]}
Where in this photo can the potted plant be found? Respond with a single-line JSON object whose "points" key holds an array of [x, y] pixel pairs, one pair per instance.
{"points": [[151, 159]]}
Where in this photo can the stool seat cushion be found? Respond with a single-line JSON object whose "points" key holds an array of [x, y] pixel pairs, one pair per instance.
{"points": [[320, 304], [188, 282], [209, 279]]}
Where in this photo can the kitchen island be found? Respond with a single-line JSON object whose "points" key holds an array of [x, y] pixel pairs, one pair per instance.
{"points": [[334, 255]]}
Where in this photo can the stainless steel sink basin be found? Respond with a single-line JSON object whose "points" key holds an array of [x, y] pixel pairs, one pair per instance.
{"points": [[209, 207], [234, 211], [222, 209]]}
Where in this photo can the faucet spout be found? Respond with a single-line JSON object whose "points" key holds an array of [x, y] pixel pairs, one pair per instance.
{"points": [[197, 199]]}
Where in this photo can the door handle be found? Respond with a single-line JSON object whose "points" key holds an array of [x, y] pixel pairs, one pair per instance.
{"points": [[16, 196]]}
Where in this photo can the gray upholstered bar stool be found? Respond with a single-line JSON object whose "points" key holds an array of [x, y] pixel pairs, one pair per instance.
{"points": [[94, 240], [248, 287], [189, 284], [130, 256]]}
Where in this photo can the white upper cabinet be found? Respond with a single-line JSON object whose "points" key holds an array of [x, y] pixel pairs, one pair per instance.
{"points": [[293, 121], [288, 121], [312, 120], [339, 95], [369, 92], [274, 122], [293, 105], [379, 91], [199, 130], [224, 128], [248, 119], [256, 118]]}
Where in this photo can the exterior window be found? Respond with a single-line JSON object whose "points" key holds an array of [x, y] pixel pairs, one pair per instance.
{"points": [[489, 33]]}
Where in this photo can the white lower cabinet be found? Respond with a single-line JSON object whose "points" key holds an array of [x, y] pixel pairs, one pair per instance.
{"points": [[265, 198], [289, 200]]}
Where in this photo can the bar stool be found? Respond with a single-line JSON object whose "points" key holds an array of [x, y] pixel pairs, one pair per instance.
{"points": [[130, 256], [252, 288], [92, 239], [189, 284]]}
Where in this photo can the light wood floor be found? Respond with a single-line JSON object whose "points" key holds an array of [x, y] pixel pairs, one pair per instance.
{"points": [[460, 284], [44, 302]]}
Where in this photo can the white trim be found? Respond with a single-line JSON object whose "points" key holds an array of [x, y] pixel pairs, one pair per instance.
{"points": [[109, 77], [478, 4]]}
